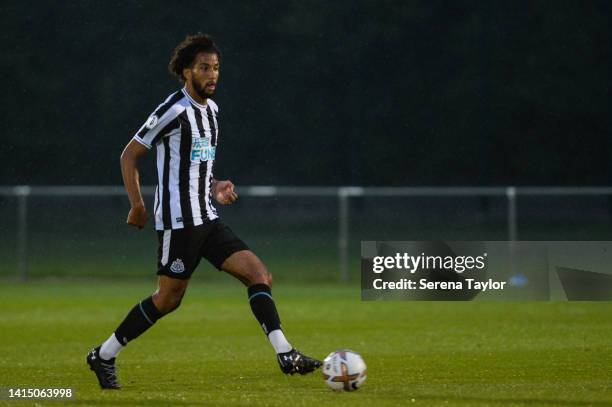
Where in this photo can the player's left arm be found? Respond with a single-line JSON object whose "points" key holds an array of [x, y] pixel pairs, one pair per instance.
{"points": [[223, 192]]}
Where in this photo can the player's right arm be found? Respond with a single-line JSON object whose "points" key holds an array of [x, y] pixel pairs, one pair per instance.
{"points": [[131, 179]]}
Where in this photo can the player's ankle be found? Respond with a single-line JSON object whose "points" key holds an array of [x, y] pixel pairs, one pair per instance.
{"points": [[279, 342]]}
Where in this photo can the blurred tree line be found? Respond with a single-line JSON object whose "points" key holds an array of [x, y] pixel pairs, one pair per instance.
{"points": [[318, 93]]}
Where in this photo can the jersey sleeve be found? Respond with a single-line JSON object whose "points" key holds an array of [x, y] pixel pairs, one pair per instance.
{"points": [[159, 124]]}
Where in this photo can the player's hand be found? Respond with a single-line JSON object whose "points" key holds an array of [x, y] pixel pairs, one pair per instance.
{"points": [[224, 192], [137, 216]]}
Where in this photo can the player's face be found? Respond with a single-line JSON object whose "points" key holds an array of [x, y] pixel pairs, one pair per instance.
{"points": [[204, 74]]}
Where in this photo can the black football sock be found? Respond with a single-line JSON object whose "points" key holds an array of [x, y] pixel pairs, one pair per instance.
{"points": [[138, 320], [263, 307]]}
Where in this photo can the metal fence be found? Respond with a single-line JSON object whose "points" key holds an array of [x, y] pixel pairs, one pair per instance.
{"points": [[343, 195]]}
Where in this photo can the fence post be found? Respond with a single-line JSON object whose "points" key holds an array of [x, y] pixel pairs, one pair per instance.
{"points": [[512, 232], [343, 232], [22, 193], [512, 226]]}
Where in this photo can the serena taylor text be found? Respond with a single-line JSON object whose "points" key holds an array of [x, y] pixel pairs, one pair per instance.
{"points": [[424, 284]]}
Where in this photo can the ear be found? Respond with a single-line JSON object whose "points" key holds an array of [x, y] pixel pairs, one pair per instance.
{"points": [[187, 74]]}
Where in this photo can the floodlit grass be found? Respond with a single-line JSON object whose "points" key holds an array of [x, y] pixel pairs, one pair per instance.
{"points": [[212, 352]]}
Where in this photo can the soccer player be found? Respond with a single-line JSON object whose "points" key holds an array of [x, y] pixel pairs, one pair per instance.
{"points": [[184, 130]]}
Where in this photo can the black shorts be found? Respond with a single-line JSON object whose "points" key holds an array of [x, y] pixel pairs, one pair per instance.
{"points": [[180, 250]]}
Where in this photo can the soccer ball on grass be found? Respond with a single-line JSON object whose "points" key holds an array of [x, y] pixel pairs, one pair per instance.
{"points": [[344, 370]]}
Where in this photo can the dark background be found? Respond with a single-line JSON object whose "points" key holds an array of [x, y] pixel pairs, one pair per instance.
{"points": [[317, 92]]}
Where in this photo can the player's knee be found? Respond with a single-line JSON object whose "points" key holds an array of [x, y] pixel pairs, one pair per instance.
{"points": [[170, 304], [167, 301], [262, 276], [269, 278], [174, 302]]}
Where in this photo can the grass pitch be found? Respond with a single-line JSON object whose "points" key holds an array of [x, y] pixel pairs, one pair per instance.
{"points": [[212, 351]]}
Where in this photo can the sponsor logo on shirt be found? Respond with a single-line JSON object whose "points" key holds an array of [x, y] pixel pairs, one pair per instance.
{"points": [[202, 150]]}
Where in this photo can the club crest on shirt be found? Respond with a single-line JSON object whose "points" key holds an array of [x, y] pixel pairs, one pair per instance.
{"points": [[177, 266], [151, 122]]}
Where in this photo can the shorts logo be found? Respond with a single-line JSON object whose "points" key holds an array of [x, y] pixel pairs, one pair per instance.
{"points": [[177, 266], [151, 122]]}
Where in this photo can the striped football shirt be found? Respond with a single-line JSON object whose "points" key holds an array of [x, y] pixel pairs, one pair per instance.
{"points": [[185, 135]]}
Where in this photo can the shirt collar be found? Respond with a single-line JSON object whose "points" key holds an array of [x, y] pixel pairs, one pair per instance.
{"points": [[201, 106]]}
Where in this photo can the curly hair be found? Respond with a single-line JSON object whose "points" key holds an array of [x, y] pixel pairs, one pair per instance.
{"points": [[184, 54]]}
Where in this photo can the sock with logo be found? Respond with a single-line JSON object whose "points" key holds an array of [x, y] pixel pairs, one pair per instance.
{"points": [[264, 309], [139, 319]]}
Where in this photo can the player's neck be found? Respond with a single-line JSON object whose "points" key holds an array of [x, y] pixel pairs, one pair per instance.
{"points": [[194, 95]]}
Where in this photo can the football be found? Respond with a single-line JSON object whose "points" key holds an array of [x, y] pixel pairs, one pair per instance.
{"points": [[344, 370]]}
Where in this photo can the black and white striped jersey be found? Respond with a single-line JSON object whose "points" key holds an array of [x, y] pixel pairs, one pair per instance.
{"points": [[185, 134]]}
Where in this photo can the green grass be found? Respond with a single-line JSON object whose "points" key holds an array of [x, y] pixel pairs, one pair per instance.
{"points": [[212, 351]]}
